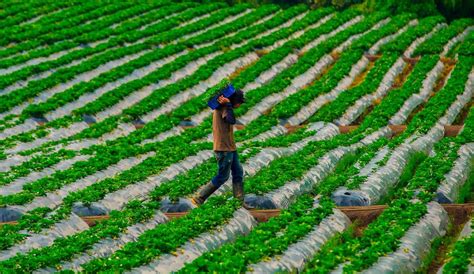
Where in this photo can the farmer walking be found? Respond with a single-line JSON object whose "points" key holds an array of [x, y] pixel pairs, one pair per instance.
{"points": [[225, 150]]}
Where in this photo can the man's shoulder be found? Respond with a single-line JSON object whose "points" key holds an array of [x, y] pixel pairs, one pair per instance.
{"points": [[220, 109]]}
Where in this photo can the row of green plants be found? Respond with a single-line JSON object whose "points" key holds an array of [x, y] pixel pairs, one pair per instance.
{"points": [[75, 16], [467, 46], [165, 238], [92, 265], [269, 59], [372, 80], [323, 146], [84, 33], [160, 96], [380, 238], [153, 251], [293, 103], [327, 260], [373, 37], [436, 43], [240, 253], [242, 83], [437, 166], [284, 140], [196, 174], [104, 22], [69, 95], [351, 178], [440, 102], [142, 171], [289, 106], [266, 240], [37, 163], [10, 9], [125, 33], [295, 166], [270, 239], [424, 27], [26, 11], [461, 255], [383, 235], [272, 58], [112, 154], [101, 265], [396, 97], [111, 123], [63, 75], [14, 14], [391, 51]]}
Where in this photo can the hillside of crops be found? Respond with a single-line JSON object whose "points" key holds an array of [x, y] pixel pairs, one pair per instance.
{"points": [[105, 135]]}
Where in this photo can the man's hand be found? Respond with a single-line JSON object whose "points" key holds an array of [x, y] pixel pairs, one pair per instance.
{"points": [[222, 100]]}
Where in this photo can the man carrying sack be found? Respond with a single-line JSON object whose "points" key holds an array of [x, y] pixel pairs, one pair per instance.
{"points": [[225, 150]]}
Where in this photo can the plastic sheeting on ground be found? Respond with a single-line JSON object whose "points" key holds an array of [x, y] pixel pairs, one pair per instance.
{"points": [[298, 254], [415, 244], [448, 191], [240, 224]]}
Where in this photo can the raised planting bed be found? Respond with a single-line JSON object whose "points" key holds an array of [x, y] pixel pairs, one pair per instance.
{"points": [[364, 214]]}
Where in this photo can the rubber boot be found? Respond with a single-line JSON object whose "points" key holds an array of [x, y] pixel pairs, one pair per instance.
{"points": [[238, 191], [205, 192]]}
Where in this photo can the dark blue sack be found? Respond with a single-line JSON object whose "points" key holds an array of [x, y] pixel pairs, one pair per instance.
{"points": [[228, 91]]}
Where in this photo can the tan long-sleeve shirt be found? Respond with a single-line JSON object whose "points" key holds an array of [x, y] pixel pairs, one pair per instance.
{"points": [[222, 132]]}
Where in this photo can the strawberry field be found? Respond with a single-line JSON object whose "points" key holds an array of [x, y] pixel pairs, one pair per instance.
{"points": [[105, 135]]}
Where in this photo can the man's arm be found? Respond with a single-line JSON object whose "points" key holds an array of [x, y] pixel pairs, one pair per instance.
{"points": [[228, 114], [229, 117]]}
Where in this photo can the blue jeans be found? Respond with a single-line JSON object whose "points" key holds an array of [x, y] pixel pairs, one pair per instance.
{"points": [[228, 161]]}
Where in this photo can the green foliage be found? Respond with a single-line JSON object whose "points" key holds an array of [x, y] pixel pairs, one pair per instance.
{"points": [[381, 237], [420, 7], [266, 240], [452, 9], [407, 174], [461, 256], [466, 193]]}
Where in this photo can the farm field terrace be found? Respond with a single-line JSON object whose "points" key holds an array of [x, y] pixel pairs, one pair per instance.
{"points": [[105, 135]]}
